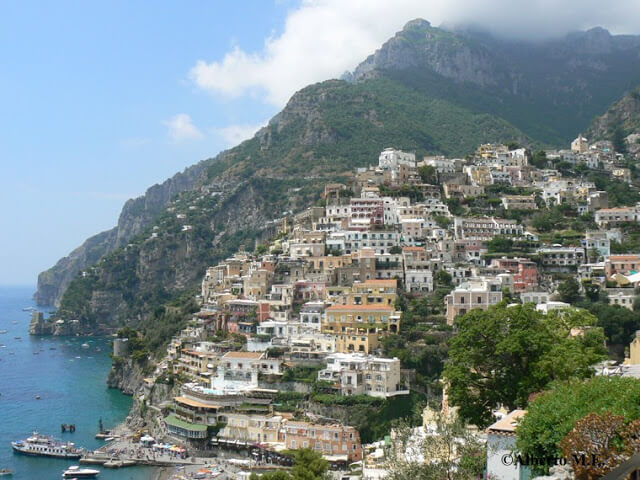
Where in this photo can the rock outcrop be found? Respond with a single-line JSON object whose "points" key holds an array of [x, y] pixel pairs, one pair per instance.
{"points": [[136, 215]]}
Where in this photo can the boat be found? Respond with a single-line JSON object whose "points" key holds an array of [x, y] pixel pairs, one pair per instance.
{"points": [[43, 446], [85, 345], [77, 472], [4, 331], [5, 472]]}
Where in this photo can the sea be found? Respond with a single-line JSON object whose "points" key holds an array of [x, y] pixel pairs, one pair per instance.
{"points": [[70, 380]]}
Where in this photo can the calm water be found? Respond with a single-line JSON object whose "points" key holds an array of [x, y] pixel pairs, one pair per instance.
{"points": [[70, 380]]}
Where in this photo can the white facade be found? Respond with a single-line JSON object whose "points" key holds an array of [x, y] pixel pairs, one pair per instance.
{"points": [[358, 374]]}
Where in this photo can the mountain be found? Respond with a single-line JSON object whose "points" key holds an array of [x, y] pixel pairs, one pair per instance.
{"points": [[426, 90], [623, 115], [135, 214], [550, 90]]}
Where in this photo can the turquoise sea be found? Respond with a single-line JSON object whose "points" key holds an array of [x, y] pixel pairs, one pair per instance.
{"points": [[71, 381]]}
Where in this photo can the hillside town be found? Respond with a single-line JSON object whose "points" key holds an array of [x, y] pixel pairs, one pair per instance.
{"points": [[316, 318]]}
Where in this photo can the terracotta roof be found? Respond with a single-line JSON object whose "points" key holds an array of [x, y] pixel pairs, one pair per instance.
{"points": [[624, 257], [251, 355], [508, 424], [381, 308]]}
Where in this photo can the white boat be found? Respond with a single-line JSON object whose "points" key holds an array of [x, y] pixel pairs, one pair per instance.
{"points": [[85, 345], [77, 472], [42, 446]]}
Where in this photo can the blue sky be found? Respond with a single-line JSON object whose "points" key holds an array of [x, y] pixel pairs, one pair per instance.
{"points": [[100, 100], [88, 92]]}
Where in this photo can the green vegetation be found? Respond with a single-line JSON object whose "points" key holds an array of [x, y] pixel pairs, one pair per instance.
{"points": [[502, 355], [552, 415]]}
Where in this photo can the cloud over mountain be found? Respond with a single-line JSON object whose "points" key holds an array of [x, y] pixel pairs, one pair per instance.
{"points": [[323, 38]]}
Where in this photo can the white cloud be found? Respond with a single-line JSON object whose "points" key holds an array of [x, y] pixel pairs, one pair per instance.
{"points": [[324, 38], [181, 128], [234, 134]]}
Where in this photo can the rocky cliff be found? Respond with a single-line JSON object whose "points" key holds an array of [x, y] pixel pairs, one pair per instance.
{"points": [[550, 90], [623, 114], [135, 216]]}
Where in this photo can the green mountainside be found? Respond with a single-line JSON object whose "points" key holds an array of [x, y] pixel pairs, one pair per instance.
{"points": [[426, 90]]}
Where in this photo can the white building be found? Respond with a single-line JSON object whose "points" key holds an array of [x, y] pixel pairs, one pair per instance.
{"points": [[475, 293], [359, 374], [238, 371], [501, 445]]}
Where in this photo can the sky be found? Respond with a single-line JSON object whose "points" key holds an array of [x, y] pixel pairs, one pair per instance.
{"points": [[100, 100]]}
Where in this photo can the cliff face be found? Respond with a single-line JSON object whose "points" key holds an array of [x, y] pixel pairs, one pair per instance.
{"points": [[550, 90], [623, 114], [136, 215]]}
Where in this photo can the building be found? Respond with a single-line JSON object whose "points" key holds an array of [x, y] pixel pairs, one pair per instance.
{"points": [[580, 145], [373, 292], [501, 444], [485, 228], [358, 328], [334, 442], [238, 371], [475, 293], [622, 264], [525, 271], [608, 217], [519, 202], [311, 315], [561, 258], [418, 280], [623, 299], [599, 242], [184, 429], [358, 374], [251, 428], [455, 190]]}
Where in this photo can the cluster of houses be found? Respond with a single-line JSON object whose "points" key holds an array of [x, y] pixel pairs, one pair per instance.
{"points": [[324, 292]]}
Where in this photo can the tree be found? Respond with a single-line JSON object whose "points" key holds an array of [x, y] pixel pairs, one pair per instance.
{"points": [[447, 451], [444, 278], [502, 355], [500, 244], [428, 174], [602, 435], [618, 140], [619, 323], [442, 221], [539, 159], [309, 465], [569, 290], [554, 413]]}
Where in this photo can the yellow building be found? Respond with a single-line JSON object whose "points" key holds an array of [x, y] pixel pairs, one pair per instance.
{"points": [[374, 292], [251, 427], [358, 328], [634, 350]]}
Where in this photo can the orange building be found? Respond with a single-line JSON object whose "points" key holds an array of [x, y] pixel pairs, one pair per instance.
{"points": [[334, 442]]}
